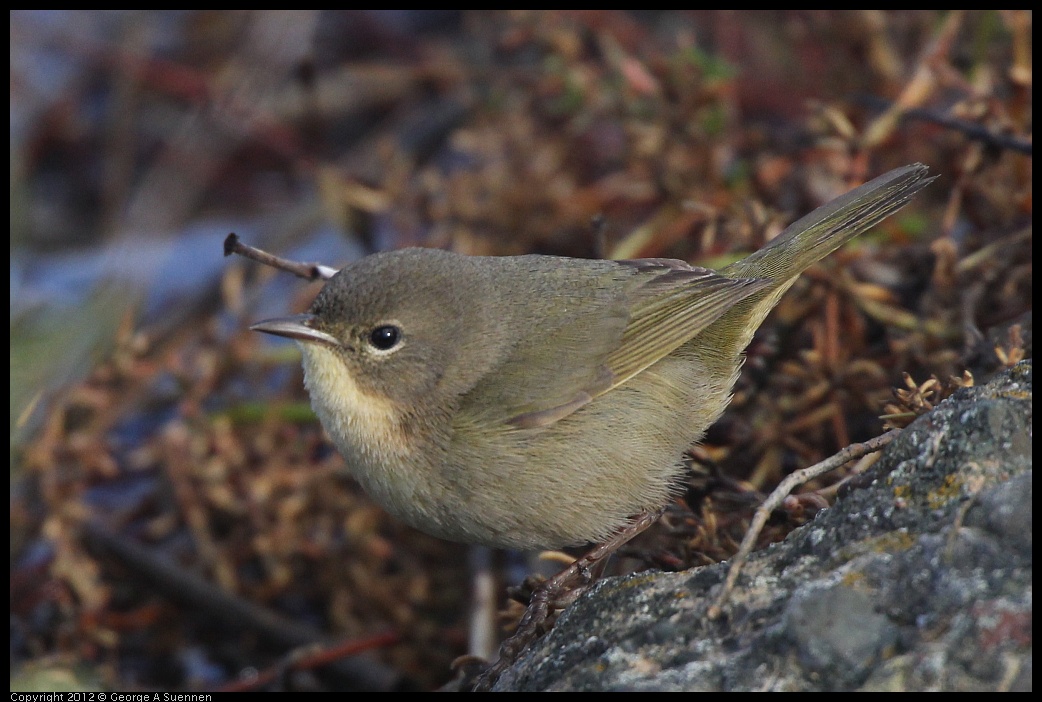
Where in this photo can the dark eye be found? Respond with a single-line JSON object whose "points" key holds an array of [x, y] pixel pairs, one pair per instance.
{"points": [[386, 337]]}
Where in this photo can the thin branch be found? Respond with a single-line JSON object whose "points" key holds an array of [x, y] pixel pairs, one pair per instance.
{"points": [[775, 499], [226, 610], [972, 130], [308, 271]]}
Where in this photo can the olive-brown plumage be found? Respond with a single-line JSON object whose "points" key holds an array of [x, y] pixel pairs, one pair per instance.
{"points": [[538, 401]]}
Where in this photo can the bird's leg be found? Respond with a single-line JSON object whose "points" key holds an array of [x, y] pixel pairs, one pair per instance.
{"points": [[558, 592]]}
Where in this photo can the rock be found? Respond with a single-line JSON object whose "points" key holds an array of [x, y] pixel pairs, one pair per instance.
{"points": [[918, 578]]}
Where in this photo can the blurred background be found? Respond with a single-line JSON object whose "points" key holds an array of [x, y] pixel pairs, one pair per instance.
{"points": [[178, 519]]}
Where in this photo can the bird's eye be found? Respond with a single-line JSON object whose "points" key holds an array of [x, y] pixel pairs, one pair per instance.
{"points": [[386, 337]]}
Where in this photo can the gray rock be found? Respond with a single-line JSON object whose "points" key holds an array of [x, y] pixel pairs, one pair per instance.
{"points": [[918, 578]]}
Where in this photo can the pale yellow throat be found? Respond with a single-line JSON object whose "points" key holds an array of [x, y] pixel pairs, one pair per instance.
{"points": [[363, 425]]}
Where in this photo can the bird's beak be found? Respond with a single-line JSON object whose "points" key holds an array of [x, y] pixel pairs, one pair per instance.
{"points": [[298, 327]]}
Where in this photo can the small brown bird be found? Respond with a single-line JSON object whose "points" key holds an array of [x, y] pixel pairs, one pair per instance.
{"points": [[537, 401]]}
